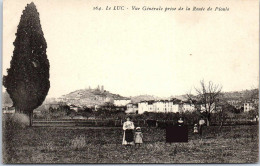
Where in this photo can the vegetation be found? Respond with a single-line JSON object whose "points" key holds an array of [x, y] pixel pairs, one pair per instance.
{"points": [[206, 99], [27, 80], [234, 144]]}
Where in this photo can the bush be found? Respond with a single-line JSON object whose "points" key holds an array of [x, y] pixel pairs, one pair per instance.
{"points": [[48, 147], [78, 142], [15, 121], [151, 123], [111, 123], [164, 124]]}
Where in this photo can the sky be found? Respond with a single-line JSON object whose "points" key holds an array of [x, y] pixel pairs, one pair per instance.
{"points": [[143, 52]]}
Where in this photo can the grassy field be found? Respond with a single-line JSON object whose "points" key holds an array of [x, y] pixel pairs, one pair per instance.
{"points": [[234, 144]]}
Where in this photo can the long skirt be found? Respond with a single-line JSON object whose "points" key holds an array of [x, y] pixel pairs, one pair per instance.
{"points": [[200, 129], [128, 137]]}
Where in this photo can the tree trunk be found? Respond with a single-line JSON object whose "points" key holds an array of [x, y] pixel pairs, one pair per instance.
{"points": [[17, 110], [220, 127], [208, 120], [31, 118], [28, 113]]}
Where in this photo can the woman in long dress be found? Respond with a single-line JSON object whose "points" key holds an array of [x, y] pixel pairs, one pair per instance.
{"points": [[128, 127]]}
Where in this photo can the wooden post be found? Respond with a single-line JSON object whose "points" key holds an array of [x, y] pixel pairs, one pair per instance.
{"points": [[31, 118]]}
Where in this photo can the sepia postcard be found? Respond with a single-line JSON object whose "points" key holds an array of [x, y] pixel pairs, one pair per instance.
{"points": [[130, 82]]}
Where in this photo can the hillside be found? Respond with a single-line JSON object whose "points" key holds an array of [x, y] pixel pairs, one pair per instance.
{"points": [[139, 98], [180, 97], [241, 95], [89, 97], [236, 95], [6, 100]]}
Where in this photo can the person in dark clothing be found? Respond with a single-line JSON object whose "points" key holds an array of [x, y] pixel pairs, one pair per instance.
{"points": [[180, 122]]}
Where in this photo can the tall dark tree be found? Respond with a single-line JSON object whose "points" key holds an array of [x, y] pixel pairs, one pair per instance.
{"points": [[27, 80]]}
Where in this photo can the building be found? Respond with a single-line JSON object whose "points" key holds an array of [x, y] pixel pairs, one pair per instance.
{"points": [[174, 106], [212, 107], [166, 106], [75, 108], [248, 106], [122, 101], [8, 110], [51, 106], [188, 107], [237, 103], [142, 107], [160, 106], [131, 108]]}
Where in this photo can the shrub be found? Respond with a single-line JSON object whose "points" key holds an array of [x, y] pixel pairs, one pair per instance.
{"points": [[15, 121], [78, 142], [111, 123], [151, 123], [48, 147]]}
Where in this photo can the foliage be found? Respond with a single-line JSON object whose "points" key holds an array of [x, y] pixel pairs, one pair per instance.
{"points": [[235, 144], [15, 121], [86, 112], [27, 81], [253, 113], [6, 100], [78, 142]]}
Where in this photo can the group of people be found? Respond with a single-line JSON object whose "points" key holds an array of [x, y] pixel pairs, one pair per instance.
{"points": [[134, 136], [130, 137], [198, 128]]}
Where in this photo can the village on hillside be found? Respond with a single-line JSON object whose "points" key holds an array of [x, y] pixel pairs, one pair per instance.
{"points": [[99, 99]]}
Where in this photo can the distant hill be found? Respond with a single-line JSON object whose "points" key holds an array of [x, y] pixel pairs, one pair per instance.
{"points": [[89, 97], [241, 95], [236, 95], [180, 97], [139, 98], [6, 100]]}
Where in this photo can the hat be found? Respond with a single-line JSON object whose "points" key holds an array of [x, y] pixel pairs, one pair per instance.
{"points": [[138, 128]]}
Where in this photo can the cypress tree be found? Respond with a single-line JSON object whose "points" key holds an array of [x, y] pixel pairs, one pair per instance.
{"points": [[27, 80]]}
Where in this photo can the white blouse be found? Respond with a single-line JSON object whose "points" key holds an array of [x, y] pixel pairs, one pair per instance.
{"points": [[128, 125]]}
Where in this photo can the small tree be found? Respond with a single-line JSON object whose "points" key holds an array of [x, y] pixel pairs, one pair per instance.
{"points": [[27, 80], [208, 95], [254, 99]]}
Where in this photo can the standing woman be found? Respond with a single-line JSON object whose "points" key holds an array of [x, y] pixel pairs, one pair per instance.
{"points": [[180, 122], [128, 127], [201, 123]]}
